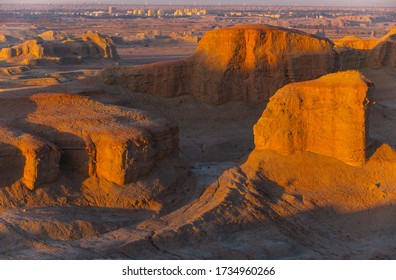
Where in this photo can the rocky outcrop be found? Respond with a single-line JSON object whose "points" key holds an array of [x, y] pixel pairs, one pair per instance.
{"points": [[355, 53], [34, 159], [356, 43], [244, 62], [8, 39], [327, 116], [251, 62], [52, 47], [51, 35], [105, 44], [31, 48], [73, 133]]}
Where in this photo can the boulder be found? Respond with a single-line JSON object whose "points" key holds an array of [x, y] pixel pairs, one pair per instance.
{"points": [[327, 116]]}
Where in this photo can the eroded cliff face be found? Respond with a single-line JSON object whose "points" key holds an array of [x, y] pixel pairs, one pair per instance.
{"points": [[30, 48], [53, 46], [356, 53], [73, 133], [251, 62], [327, 116], [28, 158], [244, 62], [105, 44], [298, 176]]}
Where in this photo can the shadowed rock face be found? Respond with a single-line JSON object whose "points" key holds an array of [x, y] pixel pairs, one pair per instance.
{"points": [[74, 133], [355, 53], [327, 116], [245, 62], [52, 46]]}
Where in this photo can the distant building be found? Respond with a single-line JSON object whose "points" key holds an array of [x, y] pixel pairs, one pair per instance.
{"points": [[111, 10]]}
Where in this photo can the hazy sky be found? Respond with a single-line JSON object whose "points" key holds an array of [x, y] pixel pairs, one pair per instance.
{"points": [[387, 3]]}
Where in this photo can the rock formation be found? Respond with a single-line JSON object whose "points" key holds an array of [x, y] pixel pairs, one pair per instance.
{"points": [[51, 35], [327, 116], [244, 62], [251, 62], [49, 47], [30, 48], [35, 159], [106, 47], [70, 132], [8, 39], [355, 53]]}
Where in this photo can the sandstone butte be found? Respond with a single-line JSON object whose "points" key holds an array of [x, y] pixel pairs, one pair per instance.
{"points": [[251, 62], [327, 116], [72, 132], [355, 53], [243, 62], [52, 46]]}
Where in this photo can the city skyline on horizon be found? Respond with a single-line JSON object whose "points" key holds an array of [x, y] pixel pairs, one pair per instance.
{"points": [[341, 3]]}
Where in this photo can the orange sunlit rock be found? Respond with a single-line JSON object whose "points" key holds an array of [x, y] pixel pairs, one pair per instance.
{"points": [[244, 62], [54, 47], [327, 116], [119, 145], [34, 159]]}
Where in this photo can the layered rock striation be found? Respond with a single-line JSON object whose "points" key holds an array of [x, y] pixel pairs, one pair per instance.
{"points": [[244, 62], [72, 133], [327, 116], [251, 62]]}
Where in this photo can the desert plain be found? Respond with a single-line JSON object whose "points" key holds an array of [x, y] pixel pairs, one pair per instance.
{"points": [[241, 133]]}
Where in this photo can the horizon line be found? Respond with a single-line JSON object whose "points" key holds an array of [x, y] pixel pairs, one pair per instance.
{"points": [[210, 5]]}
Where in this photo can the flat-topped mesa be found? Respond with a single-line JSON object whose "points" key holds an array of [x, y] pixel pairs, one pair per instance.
{"points": [[327, 116], [118, 144], [243, 62], [71, 133]]}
